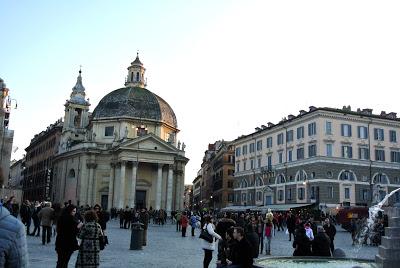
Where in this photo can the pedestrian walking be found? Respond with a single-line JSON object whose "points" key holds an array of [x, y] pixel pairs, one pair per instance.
{"points": [[36, 220], [260, 231], [89, 250], [268, 237], [144, 219], [193, 223], [67, 231], [209, 247], [46, 216], [243, 253], [309, 231], [13, 246], [291, 225], [330, 230], [184, 223]]}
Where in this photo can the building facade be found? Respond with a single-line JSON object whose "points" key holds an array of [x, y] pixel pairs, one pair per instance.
{"points": [[6, 135], [38, 171], [327, 156], [197, 184], [125, 153], [16, 177], [217, 178], [188, 197]]}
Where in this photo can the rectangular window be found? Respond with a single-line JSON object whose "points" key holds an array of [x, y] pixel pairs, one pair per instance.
{"points": [[251, 164], [300, 192], [244, 197], [244, 149], [280, 195], [347, 193], [300, 153], [392, 135], [280, 156], [300, 133], [328, 128], [252, 147], [329, 149], [244, 165], [330, 192], [269, 142], [395, 157], [230, 198], [289, 136], [347, 152], [290, 155], [380, 155], [312, 129], [363, 153], [280, 138], [259, 196], [289, 194], [259, 162], [269, 162], [237, 167], [346, 130], [362, 132], [312, 195], [238, 151], [364, 194], [312, 150], [109, 131], [259, 145], [379, 134]]}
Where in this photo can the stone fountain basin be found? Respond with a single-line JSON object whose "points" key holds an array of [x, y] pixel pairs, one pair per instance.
{"points": [[313, 262]]}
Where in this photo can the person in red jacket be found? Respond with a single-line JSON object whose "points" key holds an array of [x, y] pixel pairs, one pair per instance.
{"points": [[184, 223]]}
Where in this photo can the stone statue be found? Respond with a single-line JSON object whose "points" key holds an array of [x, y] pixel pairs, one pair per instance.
{"points": [[183, 146], [377, 197], [68, 143], [126, 132], [179, 145]]}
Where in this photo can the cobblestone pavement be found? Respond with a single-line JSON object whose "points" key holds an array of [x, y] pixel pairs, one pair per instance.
{"points": [[166, 248]]}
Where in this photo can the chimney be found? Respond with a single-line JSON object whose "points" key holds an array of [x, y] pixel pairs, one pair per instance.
{"points": [[312, 108], [392, 115], [263, 126], [269, 124], [290, 117], [302, 112], [383, 113]]}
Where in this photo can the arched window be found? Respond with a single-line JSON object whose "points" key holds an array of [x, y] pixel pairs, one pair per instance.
{"points": [[243, 184], [71, 174], [280, 179], [381, 178], [259, 182], [347, 175], [131, 76], [301, 175], [137, 77]]}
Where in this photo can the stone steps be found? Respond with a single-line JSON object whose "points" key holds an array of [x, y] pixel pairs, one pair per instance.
{"points": [[391, 242], [389, 253], [382, 262], [392, 231]]}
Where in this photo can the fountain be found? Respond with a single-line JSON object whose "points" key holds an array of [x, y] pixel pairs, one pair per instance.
{"points": [[388, 255]]}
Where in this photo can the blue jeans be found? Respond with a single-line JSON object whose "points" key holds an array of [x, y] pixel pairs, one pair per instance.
{"points": [[268, 244]]}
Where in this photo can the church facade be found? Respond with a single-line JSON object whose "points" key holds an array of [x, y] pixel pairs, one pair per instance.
{"points": [[125, 153]]}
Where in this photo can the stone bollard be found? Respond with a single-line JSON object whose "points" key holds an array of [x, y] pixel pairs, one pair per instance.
{"points": [[389, 251], [136, 236]]}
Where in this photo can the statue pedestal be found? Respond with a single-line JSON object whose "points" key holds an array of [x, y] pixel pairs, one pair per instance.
{"points": [[389, 251]]}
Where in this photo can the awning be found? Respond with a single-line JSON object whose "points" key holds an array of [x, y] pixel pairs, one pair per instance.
{"points": [[238, 208], [280, 207]]}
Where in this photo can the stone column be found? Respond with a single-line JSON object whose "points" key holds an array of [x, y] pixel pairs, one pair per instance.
{"points": [[111, 186], [122, 185], [89, 185], [177, 191], [132, 192], [94, 184], [169, 188], [117, 186], [182, 176], [158, 189], [82, 194]]}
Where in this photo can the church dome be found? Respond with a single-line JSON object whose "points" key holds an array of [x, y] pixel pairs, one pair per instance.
{"points": [[137, 103]]}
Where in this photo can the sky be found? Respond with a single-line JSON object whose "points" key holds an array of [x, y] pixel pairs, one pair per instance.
{"points": [[225, 67]]}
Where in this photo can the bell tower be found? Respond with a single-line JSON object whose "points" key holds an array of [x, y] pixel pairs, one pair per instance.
{"points": [[76, 117], [136, 72]]}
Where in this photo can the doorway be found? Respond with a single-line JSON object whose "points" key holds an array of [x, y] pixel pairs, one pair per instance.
{"points": [[104, 202], [140, 199]]}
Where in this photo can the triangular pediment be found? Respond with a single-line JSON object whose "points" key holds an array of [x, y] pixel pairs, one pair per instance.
{"points": [[148, 142]]}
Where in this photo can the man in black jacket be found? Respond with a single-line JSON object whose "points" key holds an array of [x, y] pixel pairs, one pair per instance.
{"points": [[222, 226], [242, 253], [321, 243], [291, 225], [330, 230]]}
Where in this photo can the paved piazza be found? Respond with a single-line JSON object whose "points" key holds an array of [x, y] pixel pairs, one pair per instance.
{"points": [[166, 248]]}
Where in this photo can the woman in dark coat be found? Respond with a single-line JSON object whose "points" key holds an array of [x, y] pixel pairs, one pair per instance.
{"points": [[67, 230], [90, 246], [301, 243]]}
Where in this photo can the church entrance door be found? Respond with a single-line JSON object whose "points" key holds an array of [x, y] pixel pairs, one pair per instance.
{"points": [[140, 199]]}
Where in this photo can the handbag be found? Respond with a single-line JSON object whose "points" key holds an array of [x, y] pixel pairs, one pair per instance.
{"points": [[206, 235]]}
